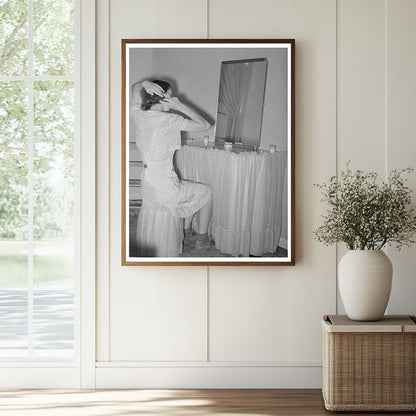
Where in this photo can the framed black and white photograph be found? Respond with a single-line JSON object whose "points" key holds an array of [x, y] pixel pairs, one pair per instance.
{"points": [[208, 152]]}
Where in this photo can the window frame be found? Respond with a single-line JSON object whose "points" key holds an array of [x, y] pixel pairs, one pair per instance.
{"points": [[81, 371]]}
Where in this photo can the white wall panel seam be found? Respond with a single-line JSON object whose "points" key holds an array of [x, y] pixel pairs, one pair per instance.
{"points": [[207, 314], [208, 22], [386, 155], [108, 283], [336, 140], [387, 135]]}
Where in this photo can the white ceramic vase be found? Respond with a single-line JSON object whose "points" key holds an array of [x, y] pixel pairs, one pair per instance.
{"points": [[364, 278]]}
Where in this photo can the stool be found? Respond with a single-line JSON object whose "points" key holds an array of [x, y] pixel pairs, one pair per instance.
{"points": [[159, 233]]}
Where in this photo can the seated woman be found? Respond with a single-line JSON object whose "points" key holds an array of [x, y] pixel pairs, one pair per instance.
{"points": [[166, 199]]}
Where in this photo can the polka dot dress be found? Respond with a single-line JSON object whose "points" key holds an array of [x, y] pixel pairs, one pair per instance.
{"points": [[157, 137]]}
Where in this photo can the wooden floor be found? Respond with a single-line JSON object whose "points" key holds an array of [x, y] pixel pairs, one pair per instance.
{"points": [[164, 402]]}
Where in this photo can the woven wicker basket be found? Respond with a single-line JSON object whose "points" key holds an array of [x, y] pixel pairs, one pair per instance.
{"points": [[369, 366]]}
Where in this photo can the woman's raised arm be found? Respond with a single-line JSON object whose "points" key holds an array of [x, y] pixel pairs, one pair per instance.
{"points": [[196, 122]]}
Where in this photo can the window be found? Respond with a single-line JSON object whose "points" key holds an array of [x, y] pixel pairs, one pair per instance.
{"points": [[38, 184]]}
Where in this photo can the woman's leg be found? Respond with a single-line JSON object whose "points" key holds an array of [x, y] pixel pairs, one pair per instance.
{"points": [[188, 222], [204, 216]]}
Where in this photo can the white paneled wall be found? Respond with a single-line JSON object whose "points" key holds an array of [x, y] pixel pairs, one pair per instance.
{"points": [[255, 326], [164, 315], [401, 132], [361, 84]]}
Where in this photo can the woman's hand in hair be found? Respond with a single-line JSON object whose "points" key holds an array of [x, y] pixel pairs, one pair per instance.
{"points": [[152, 88], [173, 103]]}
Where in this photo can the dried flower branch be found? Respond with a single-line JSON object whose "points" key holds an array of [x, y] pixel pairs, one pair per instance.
{"points": [[365, 215]]}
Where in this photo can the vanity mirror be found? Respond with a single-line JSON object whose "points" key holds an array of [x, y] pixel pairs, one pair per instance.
{"points": [[240, 102]]}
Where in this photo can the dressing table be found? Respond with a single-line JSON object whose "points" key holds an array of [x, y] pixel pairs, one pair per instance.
{"points": [[247, 191]]}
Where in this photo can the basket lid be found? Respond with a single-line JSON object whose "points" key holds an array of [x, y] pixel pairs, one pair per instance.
{"points": [[390, 323]]}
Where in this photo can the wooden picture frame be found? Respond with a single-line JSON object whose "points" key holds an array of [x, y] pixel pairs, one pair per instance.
{"points": [[252, 186]]}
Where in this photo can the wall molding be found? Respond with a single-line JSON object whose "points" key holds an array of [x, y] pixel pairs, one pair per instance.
{"points": [[207, 377]]}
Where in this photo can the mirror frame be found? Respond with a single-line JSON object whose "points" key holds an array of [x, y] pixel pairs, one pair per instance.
{"points": [[126, 46]]}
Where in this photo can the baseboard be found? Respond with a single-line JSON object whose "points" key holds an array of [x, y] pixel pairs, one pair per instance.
{"points": [[209, 377]]}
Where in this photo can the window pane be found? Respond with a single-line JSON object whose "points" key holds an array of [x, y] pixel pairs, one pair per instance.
{"points": [[13, 324], [53, 319], [13, 162], [53, 196], [53, 37], [54, 175], [13, 37], [13, 219]]}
